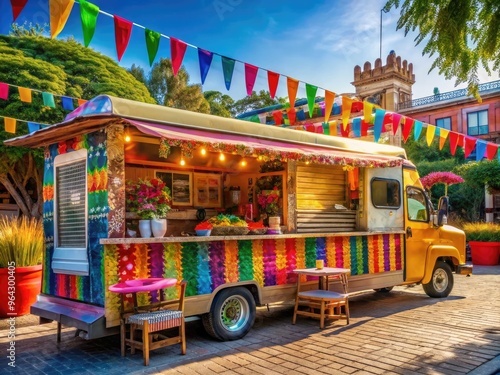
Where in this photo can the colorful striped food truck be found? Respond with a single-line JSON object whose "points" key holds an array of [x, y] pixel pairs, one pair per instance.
{"points": [[353, 204]]}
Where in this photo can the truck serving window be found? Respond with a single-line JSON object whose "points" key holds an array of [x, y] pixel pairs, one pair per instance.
{"points": [[70, 214], [417, 204], [386, 193]]}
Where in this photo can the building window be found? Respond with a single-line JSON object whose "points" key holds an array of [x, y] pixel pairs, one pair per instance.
{"points": [[444, 123], [477, 123], [70, 214]]}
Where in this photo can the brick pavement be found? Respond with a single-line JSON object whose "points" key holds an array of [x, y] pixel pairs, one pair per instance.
{"points": [[402, 332]]}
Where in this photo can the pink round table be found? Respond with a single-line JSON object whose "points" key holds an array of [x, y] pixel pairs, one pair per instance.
{"points": [[142, 285]]}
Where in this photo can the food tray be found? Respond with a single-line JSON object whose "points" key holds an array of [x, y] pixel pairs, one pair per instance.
{"points": [[258, 231], [229, 231]]}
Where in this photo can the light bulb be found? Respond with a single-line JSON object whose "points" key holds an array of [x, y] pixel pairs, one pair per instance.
{"points": [[222, 157], [183, 162], [243, 163], [203, 151], [127, 138]]}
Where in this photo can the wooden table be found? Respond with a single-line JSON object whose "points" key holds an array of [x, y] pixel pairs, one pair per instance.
{"points": [[322, 303]]}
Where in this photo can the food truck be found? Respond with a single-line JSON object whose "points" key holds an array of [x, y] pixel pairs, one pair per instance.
{"points": [[351, 203]]}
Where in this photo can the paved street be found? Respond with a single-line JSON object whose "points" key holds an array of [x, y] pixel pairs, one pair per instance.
{"points": [[402, 332]]}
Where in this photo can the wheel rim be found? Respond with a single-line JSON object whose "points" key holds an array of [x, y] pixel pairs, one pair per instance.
{"points": [[440, 280], [234, 313]]}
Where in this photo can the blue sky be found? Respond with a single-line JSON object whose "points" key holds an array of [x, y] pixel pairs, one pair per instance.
{"points": [[319, 42]]}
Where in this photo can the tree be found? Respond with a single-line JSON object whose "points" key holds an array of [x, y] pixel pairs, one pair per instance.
{"points": [[174, 91], [220, 104], [463, 34], [60, 67], [255, 101], [419, 151]]}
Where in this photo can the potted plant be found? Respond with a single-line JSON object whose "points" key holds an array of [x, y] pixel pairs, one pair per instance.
{"points": [[484, 242], [21, 253], [150, 200]]}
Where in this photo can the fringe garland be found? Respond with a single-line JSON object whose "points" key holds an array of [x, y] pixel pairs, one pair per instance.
{"points": [[231, 261], [269, 262], [246, 267], [281, 270], [258, 261], [189, 259], [291, 259], [204, 282]]}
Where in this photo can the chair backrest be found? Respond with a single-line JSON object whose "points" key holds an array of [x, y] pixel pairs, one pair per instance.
{"points": [[182, 295]]}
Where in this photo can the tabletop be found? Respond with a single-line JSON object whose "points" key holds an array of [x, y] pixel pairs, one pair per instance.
{"points": [[325, 271], [143, 285]]}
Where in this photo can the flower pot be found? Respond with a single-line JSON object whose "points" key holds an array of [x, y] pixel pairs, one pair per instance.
{"points": [[145, 228], [159, 227], [20, 286], [485, 253]]}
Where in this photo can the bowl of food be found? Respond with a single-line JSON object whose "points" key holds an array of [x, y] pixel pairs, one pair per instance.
{"points": [[203, 232]]}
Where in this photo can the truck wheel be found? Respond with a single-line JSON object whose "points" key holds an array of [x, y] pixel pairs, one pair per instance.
{"points": [[231, 315], [441, 283], [387, 289]]}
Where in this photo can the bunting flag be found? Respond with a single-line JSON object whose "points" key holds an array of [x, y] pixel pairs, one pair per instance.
{"points": [[17, 7], [346, 110], [367, 111], [88, 15], [311, 96], [453, 142], [291, 115], [301, 116], [123, 30], [417, 129], [48, 100], [67, 103], [262, 118], [470, 143], [250, 76], [33, 126], [326, 128], [272, 79], [227, 69], [396, 119], [177, 51], [10, 124], [332, 126], [356, 127], [345, 131], [443, 134], [205, 59], [364, 128], [491, 150], [431, 131], [480, 149], [407, 125], [152, 44], [293, 86], [387, 121], [59, 13], [329, 99], [4, 91], [278, 117], [81, 102], [24, 94], [377, 125]]}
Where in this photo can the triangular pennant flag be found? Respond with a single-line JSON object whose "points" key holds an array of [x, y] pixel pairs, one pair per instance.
{"points": [[301, 116], [333, 127], [33, 127], [407, 125], [255, 118], [470, 143], [367, 112], [4, 91], [364, 128], [310, 128], [461, 140], [10, 124], [291, 115], [491, 150], [431, 131], [329, 99], [453, 142], [417, 129], [81, 102], [88, 15], [387, 121], [24, 94], [250, 76], [346, 110], [273, 79], [205, 60], [377, 126], [262, 118], [177, 50], [152, 44], [345, 131], [443, 134], [123, 30], [356, 126], [17, 7], [227, 69], [326, 128], [67, 103], [480, 149], [59, 13], [48, 99], [278, 117], [311, 96], [396, 119], [293, 86]]}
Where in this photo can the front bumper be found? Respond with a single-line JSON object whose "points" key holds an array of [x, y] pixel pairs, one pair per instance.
{"points": [[464, 269]]}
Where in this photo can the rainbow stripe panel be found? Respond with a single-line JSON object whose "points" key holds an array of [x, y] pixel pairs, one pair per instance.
{"points": [[207, 265]]}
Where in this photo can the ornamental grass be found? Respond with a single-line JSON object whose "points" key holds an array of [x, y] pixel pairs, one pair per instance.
{"points": [[21, 241], [482, 232]]}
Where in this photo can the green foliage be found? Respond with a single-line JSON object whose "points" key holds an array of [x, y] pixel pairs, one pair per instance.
{"points": [[479, 174], [255, 101], [483, 232], [419, 151], [21, 241], [220, 104], [462, 35]]}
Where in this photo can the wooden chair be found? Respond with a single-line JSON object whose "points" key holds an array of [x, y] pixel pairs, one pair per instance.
{"points": [[151, 322], [322, 304]]}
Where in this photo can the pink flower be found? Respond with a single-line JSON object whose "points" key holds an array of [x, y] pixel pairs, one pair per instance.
{"points": [[446, 178]]}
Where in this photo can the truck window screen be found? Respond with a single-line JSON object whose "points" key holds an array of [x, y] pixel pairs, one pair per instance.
{"points": [[386, 193]]}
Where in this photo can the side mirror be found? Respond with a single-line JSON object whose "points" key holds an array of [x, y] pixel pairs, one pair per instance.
{"points": [[443, 210]]}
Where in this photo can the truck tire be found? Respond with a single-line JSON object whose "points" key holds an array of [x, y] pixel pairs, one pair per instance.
{"points": [[231, 315], [441, 282]]}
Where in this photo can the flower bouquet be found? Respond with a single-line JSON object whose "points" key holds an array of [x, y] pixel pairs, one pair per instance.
{"points": [[149, 199], [268, 201]]}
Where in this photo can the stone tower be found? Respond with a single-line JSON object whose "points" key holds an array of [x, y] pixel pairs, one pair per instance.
{"points": [[386, 85]]}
